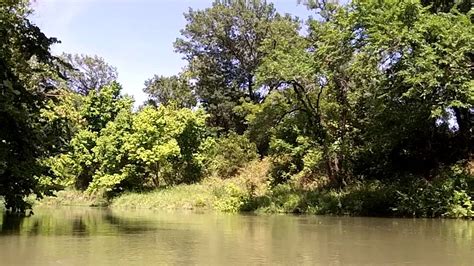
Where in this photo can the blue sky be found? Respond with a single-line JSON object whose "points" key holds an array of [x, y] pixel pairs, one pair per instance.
{"points": [[136, 36]]}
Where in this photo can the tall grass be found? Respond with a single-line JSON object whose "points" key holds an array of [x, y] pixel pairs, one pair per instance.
{"points": [[450, 195], [71, 197], [179, 197]]}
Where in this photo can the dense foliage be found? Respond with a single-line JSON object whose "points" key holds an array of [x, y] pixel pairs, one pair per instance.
{"points": [[166, 90], [27, 133], [365, 109], [221, 44]]}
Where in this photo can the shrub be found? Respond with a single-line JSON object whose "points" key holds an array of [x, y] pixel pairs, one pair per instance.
{"points": [[230, 198], [447, 196], [225, 156], [299, 160]]}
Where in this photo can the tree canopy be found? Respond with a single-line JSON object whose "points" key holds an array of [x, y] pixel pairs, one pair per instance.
{"points": [[26, 134], [165, 90], [371, 94], [222, 44], [85, 73]]}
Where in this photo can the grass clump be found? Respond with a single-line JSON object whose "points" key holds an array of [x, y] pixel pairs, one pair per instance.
{"points": [[195, 196], [211, 194], [235, 194], [71, 197]]}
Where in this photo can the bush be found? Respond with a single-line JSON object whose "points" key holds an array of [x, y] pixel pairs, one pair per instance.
{"points": [[230, 198], [225, 156], [447, 196], [299, 159], [255, 177]]}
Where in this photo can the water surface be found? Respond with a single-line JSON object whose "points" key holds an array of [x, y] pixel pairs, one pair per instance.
{"points": [[88, 236]]}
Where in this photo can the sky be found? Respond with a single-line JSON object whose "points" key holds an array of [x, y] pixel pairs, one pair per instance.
{"points": [[135, 36]]}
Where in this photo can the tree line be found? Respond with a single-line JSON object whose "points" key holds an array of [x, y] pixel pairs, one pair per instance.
{"points": [[367, 90]]}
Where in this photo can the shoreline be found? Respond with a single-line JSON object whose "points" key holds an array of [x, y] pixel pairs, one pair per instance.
{"points": [[370, 199]]}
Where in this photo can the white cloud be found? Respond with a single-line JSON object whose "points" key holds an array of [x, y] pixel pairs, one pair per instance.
{"points": [[55, 16]]}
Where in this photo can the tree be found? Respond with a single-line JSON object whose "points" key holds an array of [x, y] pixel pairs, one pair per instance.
{"points": [[426, 61], [114, 171], [316, 70], [371, 66], [86, 73], [155, 147], [77, 165], [26, 135], [221, 44], [101, 107], [175, 89]]}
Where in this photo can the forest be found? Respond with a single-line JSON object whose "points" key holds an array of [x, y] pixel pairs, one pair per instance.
{"points": [[365, 108]]}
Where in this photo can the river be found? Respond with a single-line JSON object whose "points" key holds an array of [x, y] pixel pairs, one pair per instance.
{"points": [[92, 236]]}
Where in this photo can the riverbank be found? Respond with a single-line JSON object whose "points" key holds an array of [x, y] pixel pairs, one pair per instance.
{"points": [[449, 198], [211, 194], [72, 197]]}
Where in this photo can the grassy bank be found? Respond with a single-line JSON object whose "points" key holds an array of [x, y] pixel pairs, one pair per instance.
{"points": [[362, 199], [450, 196], [211, 194], [197, 196], [70, 197], [401, 199]]}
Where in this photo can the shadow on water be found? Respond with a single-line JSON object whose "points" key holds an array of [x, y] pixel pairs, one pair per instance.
{"points": [[10, 223], [74, 222]]}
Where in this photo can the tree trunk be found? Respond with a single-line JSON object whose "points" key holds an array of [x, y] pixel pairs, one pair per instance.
{"points": [[464, 119], [340, 161]]}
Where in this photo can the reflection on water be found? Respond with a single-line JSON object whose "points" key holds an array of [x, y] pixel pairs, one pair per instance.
{"points": [[87, 236]]}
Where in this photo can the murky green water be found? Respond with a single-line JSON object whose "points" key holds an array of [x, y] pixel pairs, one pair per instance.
{"points": [[86, 236]]}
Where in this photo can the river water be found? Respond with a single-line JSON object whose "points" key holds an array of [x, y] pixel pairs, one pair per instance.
{"points": [[88, 236]]}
